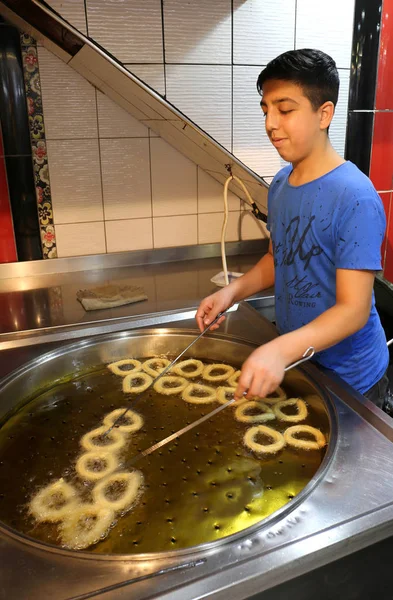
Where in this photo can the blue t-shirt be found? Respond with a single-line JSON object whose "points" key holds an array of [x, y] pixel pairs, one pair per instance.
{"points": [[334, 222]]}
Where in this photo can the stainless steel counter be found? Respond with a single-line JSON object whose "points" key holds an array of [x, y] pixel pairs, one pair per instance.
{"points": [[349, 509]]}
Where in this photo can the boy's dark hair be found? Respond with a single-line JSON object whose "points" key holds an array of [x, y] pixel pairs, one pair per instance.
{"points": [[314, 71]]}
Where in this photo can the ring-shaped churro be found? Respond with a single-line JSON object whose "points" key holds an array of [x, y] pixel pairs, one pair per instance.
{"points": [[233, 380], [155, 366], [301, 414], [226, 372], [277, 437], [195, 393], [117, 370], [86, 525], [320, 440], [181, 368], [134, 422], [113, 440], [118, 500], [170, 385], [225, 393], [278, 396], [265, 412], [53, 502], [136, 383], [96, 464]]}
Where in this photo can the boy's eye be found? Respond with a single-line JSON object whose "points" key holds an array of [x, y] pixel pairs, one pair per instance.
{"points": [[285, 112]]}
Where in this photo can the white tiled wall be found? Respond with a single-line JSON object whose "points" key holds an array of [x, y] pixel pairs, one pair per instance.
{"points": [[205, 57], [123, 186]]}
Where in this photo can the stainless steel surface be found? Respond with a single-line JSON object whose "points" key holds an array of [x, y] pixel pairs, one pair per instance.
{"points": [[116, 260], [350, 508]]}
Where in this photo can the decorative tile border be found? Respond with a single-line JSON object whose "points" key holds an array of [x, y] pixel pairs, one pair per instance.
{"points": [[38, 144]]}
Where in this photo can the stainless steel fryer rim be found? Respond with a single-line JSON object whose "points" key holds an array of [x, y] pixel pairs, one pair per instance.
{"points": [[208, 547]]}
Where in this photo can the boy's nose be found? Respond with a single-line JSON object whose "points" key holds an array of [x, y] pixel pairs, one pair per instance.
{"points": [[271, 123]]}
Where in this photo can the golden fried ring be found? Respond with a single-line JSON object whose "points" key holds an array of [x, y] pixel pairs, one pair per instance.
{"points": [[155, 366], [114, 440], [233, 380], [180, 368], [115, 367], [135, 421], [130, 382], [77, 532], [277, 437], [126, 498], [320, 440], [280, 395], [225, 393], [227, 371], [163, 385], [266, 413], [43, 505], [302, 411], [85, 465], [209, 396]]}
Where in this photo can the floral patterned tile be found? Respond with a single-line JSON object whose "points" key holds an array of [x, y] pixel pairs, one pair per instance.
{"points": [[38, 145]]}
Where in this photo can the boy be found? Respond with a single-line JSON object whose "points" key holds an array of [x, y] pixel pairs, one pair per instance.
{"points": [[327, 224]]}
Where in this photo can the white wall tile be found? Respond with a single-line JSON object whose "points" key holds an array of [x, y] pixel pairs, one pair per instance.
{"points": [[328, 29], [174, 180], [175, 231], [251, 228], [126, 178], [203, 94], [115, 122], [72, 11], [211, 195], [262, 30], [130, 29], [129, 234], [69, 101], [250, 141], [337, 131], [210, 227], [75, 180], [198, 32], [153, 75], [77, 239]]}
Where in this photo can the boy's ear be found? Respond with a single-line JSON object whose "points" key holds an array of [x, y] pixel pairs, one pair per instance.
{"points": [[326, 112]]}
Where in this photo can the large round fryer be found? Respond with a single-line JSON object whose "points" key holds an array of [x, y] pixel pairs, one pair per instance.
{"points": [[83, 356]]}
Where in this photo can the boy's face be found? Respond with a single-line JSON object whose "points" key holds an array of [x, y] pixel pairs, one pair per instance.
{"points": [[293, 126]]}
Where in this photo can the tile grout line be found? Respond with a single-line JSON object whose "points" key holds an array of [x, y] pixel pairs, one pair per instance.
{"points": [[87, 23], [294, 31], [163, 46], [232, 56], [102, 183], [151, 193], [197, 192]]}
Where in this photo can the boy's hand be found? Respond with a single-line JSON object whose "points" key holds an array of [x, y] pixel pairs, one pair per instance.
{"points": [[211, 306], [262, 372]]}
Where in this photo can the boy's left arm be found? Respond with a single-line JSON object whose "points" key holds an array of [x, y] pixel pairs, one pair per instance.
{"points": [[263, 371]]}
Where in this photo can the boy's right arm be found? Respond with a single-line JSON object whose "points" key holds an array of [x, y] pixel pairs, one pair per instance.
{"points": [[256, 279]]}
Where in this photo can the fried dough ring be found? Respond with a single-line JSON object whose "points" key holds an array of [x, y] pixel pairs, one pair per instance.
{"points": [[179, 369], [133, 481], [277, 437], [148, 366], [233, 380], [103, 456], [115, 438], [228, 372], [135, 420], [266, 413], [75, 537], [130, 388], [320, 440], [300, 416], [222, 392], [188, 394], [161, 388], [115, 367], [281, 395], [43, 505]]}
